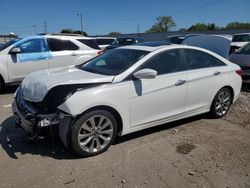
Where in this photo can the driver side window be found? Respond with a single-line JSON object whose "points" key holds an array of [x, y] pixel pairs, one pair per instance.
{"points": [[164, 62], [33, 46]]}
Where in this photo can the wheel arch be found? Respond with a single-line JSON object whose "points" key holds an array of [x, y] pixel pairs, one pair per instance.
{"points": [[110, 109], [228, 87], [231, 90]]}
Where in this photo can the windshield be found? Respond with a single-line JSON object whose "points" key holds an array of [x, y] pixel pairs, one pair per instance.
{"points": [[241, 38], [244, 50], [113, 62], [7, 44]]}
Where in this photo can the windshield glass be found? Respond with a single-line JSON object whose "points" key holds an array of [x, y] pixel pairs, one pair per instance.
{"points": [[113, 62], [244, 50], [7, 44], [241, 38]]}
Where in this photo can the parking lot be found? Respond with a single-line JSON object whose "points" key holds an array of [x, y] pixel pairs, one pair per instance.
{"points": [[195, 152]]}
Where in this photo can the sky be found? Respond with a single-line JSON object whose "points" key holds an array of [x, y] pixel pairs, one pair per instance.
{"points": [[101, 17]]}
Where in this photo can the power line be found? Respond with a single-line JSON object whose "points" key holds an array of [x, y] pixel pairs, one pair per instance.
{"points": [[150, 17]]}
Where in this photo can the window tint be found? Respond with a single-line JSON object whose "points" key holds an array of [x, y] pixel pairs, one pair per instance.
{"points": [[164, 62], [104, 41], [33, 46], [197, 59], [90, 43], [60, 45]]}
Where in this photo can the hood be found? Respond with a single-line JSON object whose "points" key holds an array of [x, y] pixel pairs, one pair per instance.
{"points": [[36, 85], [217, 44], [242, 60]]}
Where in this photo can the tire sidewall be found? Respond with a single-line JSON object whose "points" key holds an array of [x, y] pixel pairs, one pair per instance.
{"points": [[212, 110], [75, 130]]}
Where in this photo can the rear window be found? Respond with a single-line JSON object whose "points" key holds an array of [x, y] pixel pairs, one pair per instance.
{"points": [[104, 41], [61, 45], [197, 59], [90, 43], [241, 38]]}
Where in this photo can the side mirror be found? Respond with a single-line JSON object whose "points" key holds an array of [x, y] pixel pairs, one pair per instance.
{"points": [[15, 51], [145, 74]]}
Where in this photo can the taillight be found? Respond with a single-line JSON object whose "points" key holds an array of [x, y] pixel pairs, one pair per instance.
{"points": [[239, 72], [100, 52]]}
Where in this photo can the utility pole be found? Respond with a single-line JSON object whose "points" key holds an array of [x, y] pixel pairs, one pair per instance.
{"points": [[34, 26], [45, 26], [138, 28], [80, 14]]}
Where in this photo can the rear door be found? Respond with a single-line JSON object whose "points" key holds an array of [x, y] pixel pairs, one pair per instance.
{"points": [[205, 76], [34, 55], [64, 52]]}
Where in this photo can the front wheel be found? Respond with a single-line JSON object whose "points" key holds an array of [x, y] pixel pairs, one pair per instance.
{"points": [[221, 103], [93, 133]]}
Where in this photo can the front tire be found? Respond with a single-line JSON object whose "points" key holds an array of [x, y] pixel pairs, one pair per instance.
{"points": [[221, 103], [93, 133]]}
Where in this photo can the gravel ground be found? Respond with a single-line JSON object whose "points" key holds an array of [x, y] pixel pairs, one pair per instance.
{"points": [[239, 112], [195, 152]]}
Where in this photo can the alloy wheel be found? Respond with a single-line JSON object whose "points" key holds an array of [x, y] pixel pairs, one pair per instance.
{"points": [[95, 133], [222, 103]]}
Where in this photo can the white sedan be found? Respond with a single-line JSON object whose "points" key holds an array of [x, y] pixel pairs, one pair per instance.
{"points": [[126, 90]]}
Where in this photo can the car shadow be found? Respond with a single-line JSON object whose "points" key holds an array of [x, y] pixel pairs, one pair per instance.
{"points": [[9, 89], [15, 141], [245, 87]]}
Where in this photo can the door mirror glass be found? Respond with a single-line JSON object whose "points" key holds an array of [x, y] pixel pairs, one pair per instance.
{"points": [[15, 51], [145, 74]]}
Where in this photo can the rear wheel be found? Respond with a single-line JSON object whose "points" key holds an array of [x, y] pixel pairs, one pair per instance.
{"points": [[93, 133], [221, 103]]}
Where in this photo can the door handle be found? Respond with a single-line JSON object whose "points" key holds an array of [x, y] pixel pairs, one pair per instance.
{"points": [[74, 54], [216, 73], [180, 82]]}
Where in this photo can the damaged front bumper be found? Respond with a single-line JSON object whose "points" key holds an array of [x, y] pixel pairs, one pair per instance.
{"points": [[30, 118], [32, 122]]}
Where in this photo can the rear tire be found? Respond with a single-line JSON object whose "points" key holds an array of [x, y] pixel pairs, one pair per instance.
{"points": [[93, 133], [221, 103]]}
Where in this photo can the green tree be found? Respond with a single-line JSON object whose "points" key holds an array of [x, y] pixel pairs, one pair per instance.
{"points": [[80, 32], [71, 31], [238, 25], [114, 34], [67, 30], [163, 24], [203, 27]]}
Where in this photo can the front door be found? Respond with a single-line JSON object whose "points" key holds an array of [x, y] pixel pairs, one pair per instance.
{"points": [[162, 97], [34, 55]]}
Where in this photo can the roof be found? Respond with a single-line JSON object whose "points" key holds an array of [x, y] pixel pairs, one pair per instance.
{"points": [[148, 48]]}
